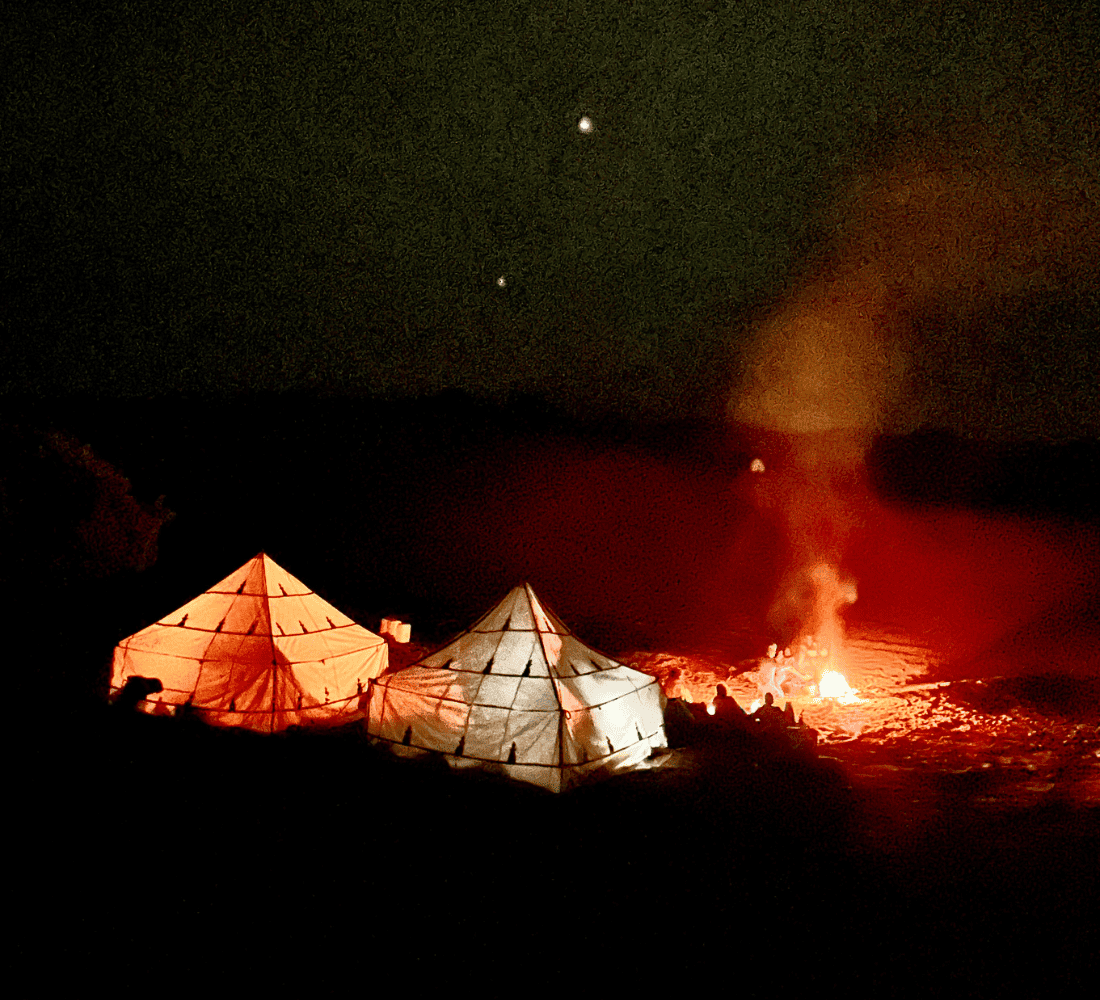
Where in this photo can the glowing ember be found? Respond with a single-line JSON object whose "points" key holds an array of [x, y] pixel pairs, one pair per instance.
{"points": [[833, 685]]}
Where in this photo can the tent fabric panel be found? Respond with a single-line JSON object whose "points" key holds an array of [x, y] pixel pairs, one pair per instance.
{"points": [[515, 650], [253, 651], [536, 694], [636, 677], [585, 747], [622, 760], [535, 735], [474, 651], [597, 661], [223, 684], [429, 683], [585, 660], [250, 576], [597, 733], [244, 614], [320, 682], [293, 612], [643, 710], [599, 687], [650, 709], [204, 612], [582, 738], [369, 662], [623, 722], [176, 674], [306, 646], [438, 723], [339, 675], [615, 725], [467, 652], [441, 657], [485, 732], [578, 657], [160, 639], [551, 650], [245, 670], [497, 691]]}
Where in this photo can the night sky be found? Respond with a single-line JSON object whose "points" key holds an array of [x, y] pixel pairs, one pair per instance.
{"points": [[809, 216]]}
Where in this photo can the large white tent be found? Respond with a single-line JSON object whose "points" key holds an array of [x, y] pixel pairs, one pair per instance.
{"points": [[257, 650], [519, 693]]}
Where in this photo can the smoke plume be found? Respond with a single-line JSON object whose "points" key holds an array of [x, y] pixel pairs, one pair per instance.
{"points": [[936, 230]]}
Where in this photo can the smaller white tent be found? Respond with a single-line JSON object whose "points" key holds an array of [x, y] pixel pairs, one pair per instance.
{"points": [[257, 650], [520, 694]]}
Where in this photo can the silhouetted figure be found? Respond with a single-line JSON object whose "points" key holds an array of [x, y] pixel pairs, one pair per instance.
{"points": [[769, 717], [186, 712], [726, 708], [137, 690], [806, 735], [679, 722]]}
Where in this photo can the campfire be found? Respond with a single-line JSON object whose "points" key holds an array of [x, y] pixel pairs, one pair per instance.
{"points": [[834, 685], [809, 672]]}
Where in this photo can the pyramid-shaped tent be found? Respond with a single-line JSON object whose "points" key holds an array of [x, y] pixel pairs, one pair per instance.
{"points": [[519, 693], [258, 650]]}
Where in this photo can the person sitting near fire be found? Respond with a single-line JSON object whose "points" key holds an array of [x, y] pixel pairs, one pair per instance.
{"points": [[787, 673], [772, 671], [726, 708], [679, 722], [767, 715], [675, 683]]}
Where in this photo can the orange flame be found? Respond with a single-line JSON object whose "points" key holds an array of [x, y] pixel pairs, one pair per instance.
{"points": [[834, 685]]}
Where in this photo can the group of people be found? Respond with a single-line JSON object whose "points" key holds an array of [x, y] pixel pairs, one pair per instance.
{"points": [[767, 721]]}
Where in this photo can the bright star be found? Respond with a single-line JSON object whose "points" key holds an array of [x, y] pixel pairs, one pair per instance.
{"points": [[585, 124]]}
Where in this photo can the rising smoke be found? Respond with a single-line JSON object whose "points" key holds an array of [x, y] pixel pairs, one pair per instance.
{"points": [[831, 365]]}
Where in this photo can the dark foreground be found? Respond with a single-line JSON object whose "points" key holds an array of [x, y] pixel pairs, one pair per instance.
{"points": [[149, 845]]}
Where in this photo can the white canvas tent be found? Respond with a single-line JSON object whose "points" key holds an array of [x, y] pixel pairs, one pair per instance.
{"points": [[258, 650], [519, 693]]}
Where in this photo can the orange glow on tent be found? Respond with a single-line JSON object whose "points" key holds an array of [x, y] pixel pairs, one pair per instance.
{"points": [[258, 650]]}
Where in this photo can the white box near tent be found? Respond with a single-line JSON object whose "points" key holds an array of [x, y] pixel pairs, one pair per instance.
{"points": [[401, 631]]}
